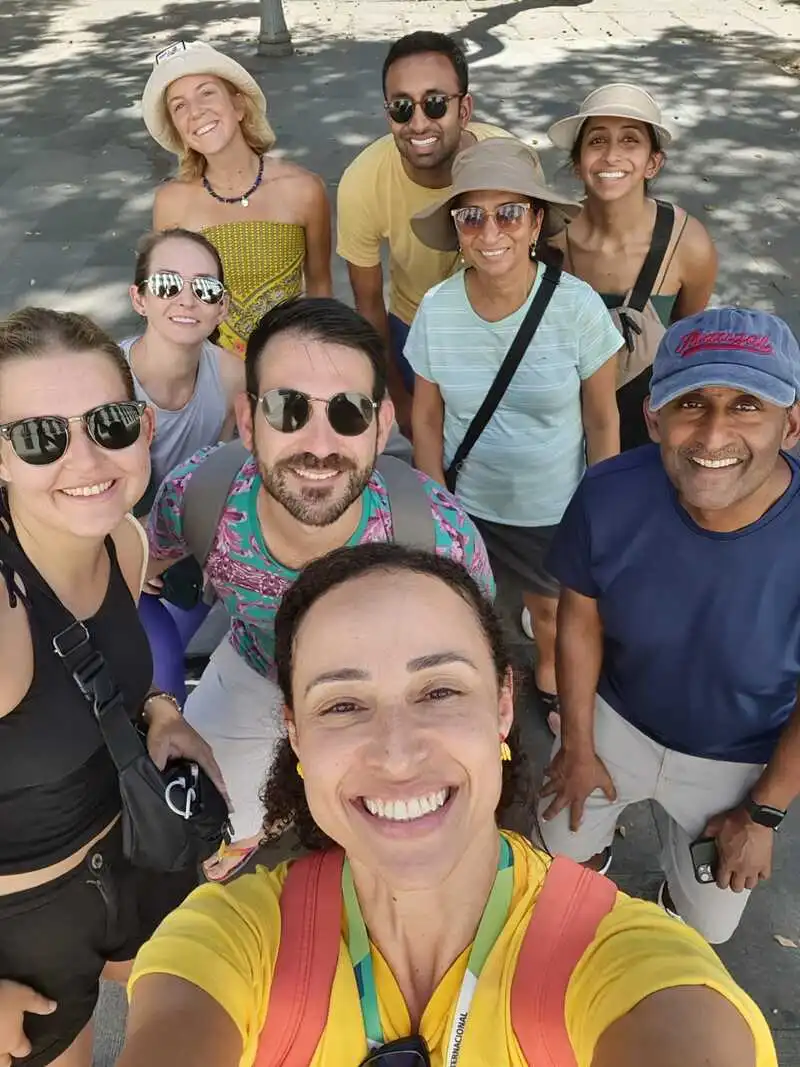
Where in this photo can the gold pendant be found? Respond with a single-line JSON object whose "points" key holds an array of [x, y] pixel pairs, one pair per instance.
{"points": [[245, 201]]}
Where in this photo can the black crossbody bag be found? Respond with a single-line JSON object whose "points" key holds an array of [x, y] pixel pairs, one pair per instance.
{"points": [[171, 819], [508, 368]]}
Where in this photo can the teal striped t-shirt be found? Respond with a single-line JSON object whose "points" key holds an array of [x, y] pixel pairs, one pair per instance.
{"points": [[530, 457]]}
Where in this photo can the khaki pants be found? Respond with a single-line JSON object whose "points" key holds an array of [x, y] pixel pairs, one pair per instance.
{"points": [[689, 789], [238, 712]]}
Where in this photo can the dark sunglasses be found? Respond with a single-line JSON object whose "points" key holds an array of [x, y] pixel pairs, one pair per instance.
{"points": [[166, 284], [45, 438], [289, 410], [473, 219], [405, 1052], [434, 106]]}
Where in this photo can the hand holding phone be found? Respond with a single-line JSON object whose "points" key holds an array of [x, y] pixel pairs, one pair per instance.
{"points": [[704, 859]]}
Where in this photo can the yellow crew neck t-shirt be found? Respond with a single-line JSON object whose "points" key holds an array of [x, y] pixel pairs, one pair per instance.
{"points": [[224, 939], [375, 203]]}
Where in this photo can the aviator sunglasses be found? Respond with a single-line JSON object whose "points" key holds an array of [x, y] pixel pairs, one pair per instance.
{"points": [[289, 410], [506, 217], [434, 106], [166, 284], [44, 439]]}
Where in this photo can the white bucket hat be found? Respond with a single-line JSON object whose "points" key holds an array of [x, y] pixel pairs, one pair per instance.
{"points": [[618, 100], [178, 60]]}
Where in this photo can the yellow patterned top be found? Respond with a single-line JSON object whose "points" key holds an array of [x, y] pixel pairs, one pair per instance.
{"points": [[263, 264]]}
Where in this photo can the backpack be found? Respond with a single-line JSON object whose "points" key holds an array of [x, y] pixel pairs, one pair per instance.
{"points": [[639, 323], [571, 905], [208, 489]]}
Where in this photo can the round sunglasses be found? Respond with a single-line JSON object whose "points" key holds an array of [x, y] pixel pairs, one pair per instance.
{"points": [[43, 439], [165, 284], [434, 106], [472, 219], [289, 410]]}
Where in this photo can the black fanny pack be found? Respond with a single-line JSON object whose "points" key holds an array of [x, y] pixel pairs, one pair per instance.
{"points": [[171, 819]]}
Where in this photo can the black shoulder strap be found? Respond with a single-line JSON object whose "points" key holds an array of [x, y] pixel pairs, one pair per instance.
{"points": [[72, 644], [508, 368], [659, 243], [207, 493]]}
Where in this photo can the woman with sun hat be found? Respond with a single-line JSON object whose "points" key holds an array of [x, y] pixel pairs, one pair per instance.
{"points": [[268, 218], [650, 261]]}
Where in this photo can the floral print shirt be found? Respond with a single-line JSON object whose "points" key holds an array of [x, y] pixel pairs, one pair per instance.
{"points": [[250, 581]]}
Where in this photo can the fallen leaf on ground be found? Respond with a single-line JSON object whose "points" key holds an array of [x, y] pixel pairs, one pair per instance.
{"points": [[785, 942]]}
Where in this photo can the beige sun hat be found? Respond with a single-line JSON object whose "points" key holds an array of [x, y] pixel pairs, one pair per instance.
{"points": [[178, 60], [501, 163], [619, 100]]}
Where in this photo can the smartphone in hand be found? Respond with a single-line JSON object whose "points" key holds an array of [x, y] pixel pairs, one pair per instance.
{"points": [[704, 859]]}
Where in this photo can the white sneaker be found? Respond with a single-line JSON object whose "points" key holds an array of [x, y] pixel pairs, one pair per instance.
{"points": [[527, 624]]}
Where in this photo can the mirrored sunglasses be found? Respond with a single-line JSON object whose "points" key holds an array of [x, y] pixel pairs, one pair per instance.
{"points": [[434, 106], [472, 219], [44, 439], [166, 284], [289, 410]]}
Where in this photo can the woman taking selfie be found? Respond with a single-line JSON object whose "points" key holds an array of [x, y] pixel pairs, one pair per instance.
{"points": [[650, 261], [400, 763], [269, 218], [558, 411], [73, 460]]}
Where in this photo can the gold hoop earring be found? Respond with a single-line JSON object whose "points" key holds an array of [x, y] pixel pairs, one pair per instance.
{"points": [[300, 770], [505, 751]]}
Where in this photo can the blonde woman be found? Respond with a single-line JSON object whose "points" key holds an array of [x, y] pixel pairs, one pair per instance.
{"points": [[268, 218]]}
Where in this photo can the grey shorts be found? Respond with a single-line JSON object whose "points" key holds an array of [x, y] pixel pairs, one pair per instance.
{"points": [[522, 550], [689, 790]]}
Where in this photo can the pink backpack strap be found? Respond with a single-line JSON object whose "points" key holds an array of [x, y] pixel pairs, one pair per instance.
{"points": [[571, 905], [311, 923]]}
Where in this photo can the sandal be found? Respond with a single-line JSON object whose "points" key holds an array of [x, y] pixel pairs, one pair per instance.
{"points": [[552, 708]]}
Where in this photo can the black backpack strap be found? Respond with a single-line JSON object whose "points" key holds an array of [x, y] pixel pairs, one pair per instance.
{"points": [[410, 505], [508, 368], [659, 243], [207, 494]]}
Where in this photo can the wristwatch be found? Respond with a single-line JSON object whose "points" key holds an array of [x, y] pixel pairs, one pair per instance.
{"points": [[764, 814]]}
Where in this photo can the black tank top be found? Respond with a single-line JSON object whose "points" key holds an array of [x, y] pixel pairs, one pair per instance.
{"points": [[58, 786]]}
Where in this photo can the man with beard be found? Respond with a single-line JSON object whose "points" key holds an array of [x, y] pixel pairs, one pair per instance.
{"points": [[315, 418], [678, 645], [429, 110]]}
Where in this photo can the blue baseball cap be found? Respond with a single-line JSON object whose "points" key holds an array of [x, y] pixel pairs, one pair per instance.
{"points": [[735, 347]]}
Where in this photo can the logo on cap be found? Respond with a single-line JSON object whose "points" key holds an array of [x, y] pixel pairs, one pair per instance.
{"points": [[723, 340]]}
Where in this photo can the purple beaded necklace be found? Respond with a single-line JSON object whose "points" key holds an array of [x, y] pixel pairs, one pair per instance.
{"points": [[244, 199]]}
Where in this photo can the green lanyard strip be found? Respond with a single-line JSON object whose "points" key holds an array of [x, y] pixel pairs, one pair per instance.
{"points": [[492, 922]]}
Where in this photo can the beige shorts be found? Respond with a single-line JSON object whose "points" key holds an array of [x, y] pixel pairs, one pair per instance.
{"points": [[689, 789], [239, 713]]}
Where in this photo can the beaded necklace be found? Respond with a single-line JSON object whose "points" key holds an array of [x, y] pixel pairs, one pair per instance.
{"points": [[244, 199]]}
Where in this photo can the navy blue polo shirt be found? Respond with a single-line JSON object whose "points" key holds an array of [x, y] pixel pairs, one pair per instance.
{"points": [[701, 629]]}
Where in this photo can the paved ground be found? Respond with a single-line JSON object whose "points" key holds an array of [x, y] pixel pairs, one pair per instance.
{"points": [[77, 171]]}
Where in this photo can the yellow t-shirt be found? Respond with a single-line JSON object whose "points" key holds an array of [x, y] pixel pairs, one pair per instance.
{"points": [[375, 203], [224, 939]]}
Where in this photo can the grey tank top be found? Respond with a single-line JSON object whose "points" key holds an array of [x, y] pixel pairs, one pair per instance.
{"points": [[179, 434]]}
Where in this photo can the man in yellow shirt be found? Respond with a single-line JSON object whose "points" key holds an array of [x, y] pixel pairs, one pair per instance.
{"points": [[429, 110]]}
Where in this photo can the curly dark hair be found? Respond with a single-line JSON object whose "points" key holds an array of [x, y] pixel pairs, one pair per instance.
{"points": [[283, 795]]}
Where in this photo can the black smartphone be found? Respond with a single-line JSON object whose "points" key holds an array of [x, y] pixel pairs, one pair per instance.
{"points": [[704, 859]]}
